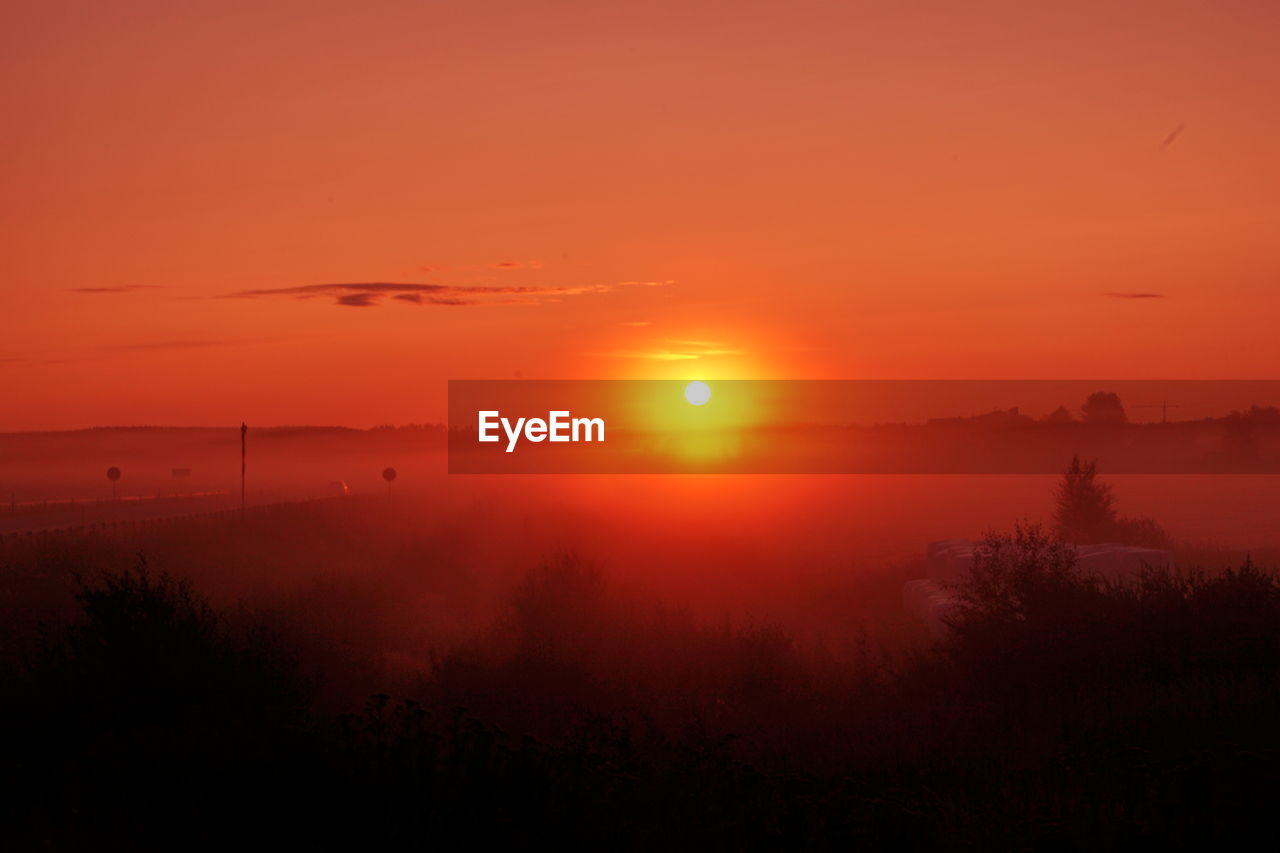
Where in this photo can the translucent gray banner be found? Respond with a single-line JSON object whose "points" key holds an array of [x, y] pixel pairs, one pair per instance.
{"points": [[863, 426]]}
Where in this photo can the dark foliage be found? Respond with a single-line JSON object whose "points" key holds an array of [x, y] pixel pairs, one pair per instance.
{"points": [[1063, 712]]}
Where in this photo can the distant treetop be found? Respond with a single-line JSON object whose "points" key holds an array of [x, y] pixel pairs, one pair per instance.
{"points": [[1104, 407]]}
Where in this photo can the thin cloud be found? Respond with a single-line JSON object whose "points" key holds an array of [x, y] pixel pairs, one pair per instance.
{"points": [[1135, 295], [93, 353], [703, 348], [97, 352], [125, 288], [1169, 140], [650, 355], [675, 350], [505, 266], [148, 346], [369, 294]]}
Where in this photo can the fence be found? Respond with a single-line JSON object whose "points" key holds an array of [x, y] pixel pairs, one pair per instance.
{"points": [[16, 507]]}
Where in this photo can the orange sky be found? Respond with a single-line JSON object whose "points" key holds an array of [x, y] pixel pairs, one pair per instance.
{"points": [[597, 190]]}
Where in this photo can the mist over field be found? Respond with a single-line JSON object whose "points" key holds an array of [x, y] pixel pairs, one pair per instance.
{"points": [[774, 548], [747, 634]]}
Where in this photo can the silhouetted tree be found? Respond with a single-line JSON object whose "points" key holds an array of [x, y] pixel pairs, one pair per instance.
{"points": [[1059, 415], [1084, 512], [1085, 507], [1104, 407]]}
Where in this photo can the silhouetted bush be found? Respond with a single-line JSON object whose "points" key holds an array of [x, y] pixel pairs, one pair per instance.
{"points": [[145, 705], [1028, 614]]}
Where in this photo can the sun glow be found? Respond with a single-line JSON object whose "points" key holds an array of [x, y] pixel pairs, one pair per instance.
{"points": [[698, 393], [696, 421]]}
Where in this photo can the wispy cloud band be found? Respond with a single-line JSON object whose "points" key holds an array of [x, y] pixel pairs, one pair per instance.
{"points": [[363, 294], [123, 288], [674, 350]]}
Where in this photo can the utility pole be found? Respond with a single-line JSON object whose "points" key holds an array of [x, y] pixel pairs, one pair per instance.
{"points": [[1164, 408], [244, 428]]}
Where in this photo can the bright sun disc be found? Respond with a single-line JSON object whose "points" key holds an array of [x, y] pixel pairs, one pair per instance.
{"points": [[697, 393]]}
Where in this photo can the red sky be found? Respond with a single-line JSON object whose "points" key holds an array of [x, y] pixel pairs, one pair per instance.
{"points": [[597, 190]]}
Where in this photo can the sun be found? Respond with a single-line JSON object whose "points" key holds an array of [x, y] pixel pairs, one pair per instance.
{"points": [[697, 393], [679, 422]]}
